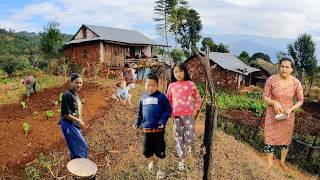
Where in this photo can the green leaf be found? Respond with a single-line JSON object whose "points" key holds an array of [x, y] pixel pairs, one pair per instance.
{"points": [[50, 114], [26, 127]]}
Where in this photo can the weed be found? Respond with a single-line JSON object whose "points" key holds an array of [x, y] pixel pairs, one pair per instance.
{"points": [[26, 127], [32, 173]]}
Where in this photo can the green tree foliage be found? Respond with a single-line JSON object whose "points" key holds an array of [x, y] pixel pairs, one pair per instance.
{"points": [[244, 57], [177, 55], [222, 48], [20, 50], [178, 12], [51, 41], [189, 30], [260, 55], [207, 41], [16, 49], [303, 52]]}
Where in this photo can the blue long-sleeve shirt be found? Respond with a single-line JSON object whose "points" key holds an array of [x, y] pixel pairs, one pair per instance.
{"points": [[154, 110]]}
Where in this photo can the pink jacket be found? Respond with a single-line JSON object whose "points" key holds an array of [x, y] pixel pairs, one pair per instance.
{"points": [[184, 98]]}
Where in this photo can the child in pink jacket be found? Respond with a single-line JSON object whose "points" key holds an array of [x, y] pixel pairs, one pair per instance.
{"points": [[185, 101]]}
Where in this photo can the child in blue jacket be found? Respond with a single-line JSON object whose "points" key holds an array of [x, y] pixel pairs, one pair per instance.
{"points": [[154, 111]]}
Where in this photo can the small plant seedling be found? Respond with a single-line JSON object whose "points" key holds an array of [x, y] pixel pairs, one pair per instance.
{"points": [[32, 173], [23, 104], [55, 103], [35, 113], [50, 114], [26, 127], [60, 97]]}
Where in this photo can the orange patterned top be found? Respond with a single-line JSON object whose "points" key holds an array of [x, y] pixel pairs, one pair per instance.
{"points": [[280, 132]]}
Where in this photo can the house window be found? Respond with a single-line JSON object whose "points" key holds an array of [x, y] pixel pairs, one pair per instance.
{"points": [[85, 54]]}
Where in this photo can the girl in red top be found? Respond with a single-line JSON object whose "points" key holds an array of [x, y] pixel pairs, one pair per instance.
{"points": [[185, 101]]}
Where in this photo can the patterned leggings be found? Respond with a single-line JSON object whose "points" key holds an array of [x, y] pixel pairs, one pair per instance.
{"points": [[183, 129], [270, 148]]}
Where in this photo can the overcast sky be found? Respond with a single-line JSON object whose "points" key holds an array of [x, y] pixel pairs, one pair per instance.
{"points": [[272, 18]]}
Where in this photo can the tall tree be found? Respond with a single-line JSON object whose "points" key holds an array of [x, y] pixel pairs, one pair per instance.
{"points": [[163, 9], [189, 30], [244, 57], [51, 41], [179, 9], [303, 52]]}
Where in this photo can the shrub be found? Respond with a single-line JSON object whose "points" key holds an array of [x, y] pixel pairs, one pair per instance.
{"points": [[36, 72], [13, 66], [3, 74], [32, 173]]}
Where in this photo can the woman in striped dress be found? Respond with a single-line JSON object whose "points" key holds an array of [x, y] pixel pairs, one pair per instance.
{"points": [[279, 93]]}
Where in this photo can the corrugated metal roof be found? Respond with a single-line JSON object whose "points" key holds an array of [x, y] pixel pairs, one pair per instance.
{"points": [[118, 35], [230, 62], [82, 40]]}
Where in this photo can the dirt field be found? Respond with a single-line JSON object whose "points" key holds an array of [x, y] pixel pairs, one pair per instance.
{"points": [[114, 144]]}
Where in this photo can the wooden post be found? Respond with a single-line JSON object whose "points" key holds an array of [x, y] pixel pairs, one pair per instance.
{"points": [[208, 141], [164, 83], [211, 118]]}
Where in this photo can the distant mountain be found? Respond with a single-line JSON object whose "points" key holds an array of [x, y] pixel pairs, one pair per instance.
{"points": [[251, 47], [251, 44]]}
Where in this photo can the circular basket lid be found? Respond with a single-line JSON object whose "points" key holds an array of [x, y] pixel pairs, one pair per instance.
{"points": [[82, 167]]}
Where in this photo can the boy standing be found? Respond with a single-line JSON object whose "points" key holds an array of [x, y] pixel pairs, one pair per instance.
{"points": [[154, 111], [71, 119]]}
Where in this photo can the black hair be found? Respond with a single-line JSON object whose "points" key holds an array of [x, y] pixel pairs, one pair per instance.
{"points": [[74, 76], [153, 76], [287, 58], [126, 65], [182, 66]]}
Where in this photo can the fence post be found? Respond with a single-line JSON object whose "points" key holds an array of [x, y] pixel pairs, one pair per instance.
{"points": [[211, 117]]}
